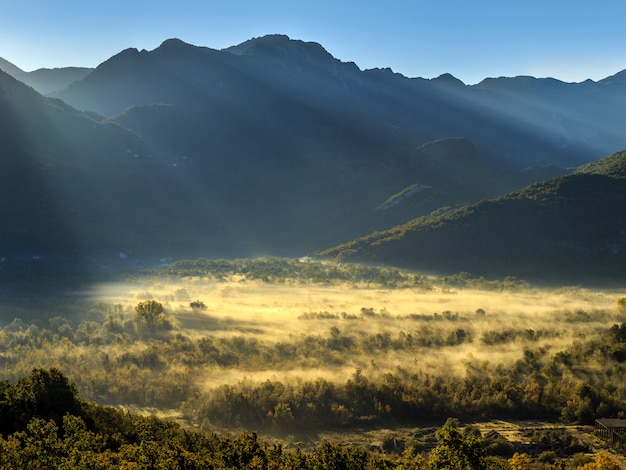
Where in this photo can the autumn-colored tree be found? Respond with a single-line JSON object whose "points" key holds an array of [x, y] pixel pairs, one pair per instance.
{"points": [[603, 461], [519, 461]]}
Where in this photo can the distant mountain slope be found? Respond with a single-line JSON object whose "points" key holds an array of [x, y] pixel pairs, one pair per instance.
{"points": [[69, 183], [76, 186], [10, 68], [564, 229], [81, 186], [246, 97], [589, 114], [45, 81], [49, 81], [450, 173]]}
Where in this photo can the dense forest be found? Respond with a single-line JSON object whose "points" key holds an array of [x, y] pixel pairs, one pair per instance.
{"points": [[46, 425], [293, 349]]}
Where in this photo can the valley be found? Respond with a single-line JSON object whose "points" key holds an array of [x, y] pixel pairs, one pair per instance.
{"points": [[262, 256], [304, 351]]}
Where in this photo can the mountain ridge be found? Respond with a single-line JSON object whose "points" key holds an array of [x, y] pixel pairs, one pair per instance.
{"points": [[45, 81], [282, 80]]}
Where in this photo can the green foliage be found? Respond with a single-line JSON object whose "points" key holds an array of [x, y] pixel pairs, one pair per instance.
{"points": [[283, 270], [93, 437], [519, 461], [330, 456], [457, 452], [44, 393], [150, 317], [614, 165]]}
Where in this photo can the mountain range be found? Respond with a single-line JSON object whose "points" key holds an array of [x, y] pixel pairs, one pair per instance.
{"points": [[281, 87], [275, 147], [45, 81]]}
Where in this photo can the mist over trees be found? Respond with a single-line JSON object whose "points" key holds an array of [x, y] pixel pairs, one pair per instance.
{"points": [[384, 364]]}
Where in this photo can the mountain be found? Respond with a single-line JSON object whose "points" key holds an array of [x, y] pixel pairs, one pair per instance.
{"points": [[10, 68], [567, 228], [75, 187], [450, 173], [49, 81], [246, 97], [82, 187], [588, 114], [45, 81], [270, 147]]}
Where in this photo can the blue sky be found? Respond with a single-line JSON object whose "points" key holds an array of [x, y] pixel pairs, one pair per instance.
{"points": [[569, 40]]}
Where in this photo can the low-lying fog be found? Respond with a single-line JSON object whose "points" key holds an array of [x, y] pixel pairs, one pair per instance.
{"points": [[279, 313]]}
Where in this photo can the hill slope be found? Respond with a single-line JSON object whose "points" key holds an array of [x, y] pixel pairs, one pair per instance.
{"points": [[567, 228], [72, 185]]}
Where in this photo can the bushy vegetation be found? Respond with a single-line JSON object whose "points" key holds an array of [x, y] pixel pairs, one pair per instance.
{"points": [[122, 360], [329, 369], [288, 270], [46, 425]]}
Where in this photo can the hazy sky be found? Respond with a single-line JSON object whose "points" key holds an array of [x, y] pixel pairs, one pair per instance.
{"points": [[570, 40]]}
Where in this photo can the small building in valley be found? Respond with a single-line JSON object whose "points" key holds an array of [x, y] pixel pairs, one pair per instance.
{"points": [[612, 430]]}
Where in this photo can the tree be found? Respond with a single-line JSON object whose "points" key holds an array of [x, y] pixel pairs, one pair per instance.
{"points": [[604, 461], [282, 417], [46, 394], [519, 461], [457, 452], [150, 317], [198, 305]]}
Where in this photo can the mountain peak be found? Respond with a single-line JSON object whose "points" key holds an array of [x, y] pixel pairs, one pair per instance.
{"points": [[174, 43], [250, 46], [280, 46], [447, 79]]}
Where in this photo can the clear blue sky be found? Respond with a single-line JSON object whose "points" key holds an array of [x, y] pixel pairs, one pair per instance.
{"points": [[472, 39]]}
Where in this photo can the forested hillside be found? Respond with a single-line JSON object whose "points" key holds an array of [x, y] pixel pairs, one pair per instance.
{"points": [[565, 229]]}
